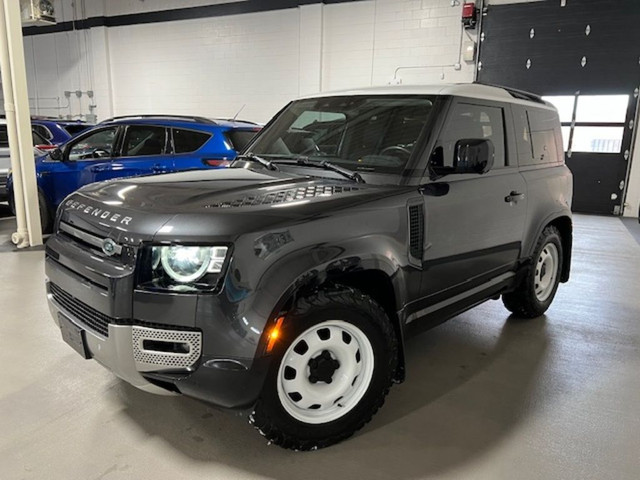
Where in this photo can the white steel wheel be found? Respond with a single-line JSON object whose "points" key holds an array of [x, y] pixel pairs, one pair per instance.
{"points": [[546, 272], [325, 372]]}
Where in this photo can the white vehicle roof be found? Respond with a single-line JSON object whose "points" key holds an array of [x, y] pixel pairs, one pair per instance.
{"points": [[470, 90]]}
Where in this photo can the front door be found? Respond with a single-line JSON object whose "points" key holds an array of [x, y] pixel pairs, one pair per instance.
{"points": [[143, 152], [474, 223], [85, 160]]}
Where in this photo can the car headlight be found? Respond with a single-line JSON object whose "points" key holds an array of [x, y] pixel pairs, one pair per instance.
{"points": [[184, 268]]}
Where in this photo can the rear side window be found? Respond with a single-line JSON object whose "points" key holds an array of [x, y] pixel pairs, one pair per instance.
{"points": [[38, 139], [473, 121], [186, 141], [75, 129], [43, 131], [143, 140], [4, 139], [537, 135], [240, 138]]}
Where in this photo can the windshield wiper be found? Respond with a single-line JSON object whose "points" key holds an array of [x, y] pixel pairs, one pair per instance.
{"points": [[345, 172], [255, 158]]}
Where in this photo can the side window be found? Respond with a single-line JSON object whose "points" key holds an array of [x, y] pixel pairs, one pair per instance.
{"points": [[240, 138], [523, 135], [186, 141], [544, 124], [473, 121], [542, 146], [43, 131], [97, 145], [38, 139], [143, 140]]}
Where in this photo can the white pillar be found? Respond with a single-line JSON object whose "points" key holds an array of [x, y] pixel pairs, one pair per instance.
{"points": [[16, 97]]}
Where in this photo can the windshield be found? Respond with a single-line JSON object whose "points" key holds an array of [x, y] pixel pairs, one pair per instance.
{"points": [[365, 133]]}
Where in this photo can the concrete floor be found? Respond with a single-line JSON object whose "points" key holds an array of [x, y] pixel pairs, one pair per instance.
{"points": [[487, 397]]}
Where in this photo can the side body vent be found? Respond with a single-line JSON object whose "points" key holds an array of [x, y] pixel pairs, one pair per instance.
{"points": [[416, 232]]}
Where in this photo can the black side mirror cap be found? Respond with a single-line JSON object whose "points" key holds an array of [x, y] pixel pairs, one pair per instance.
{"points": [[56, 154], [473, 155]]}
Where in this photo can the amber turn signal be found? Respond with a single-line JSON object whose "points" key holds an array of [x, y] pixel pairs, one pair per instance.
{"points": [[274, 334]]}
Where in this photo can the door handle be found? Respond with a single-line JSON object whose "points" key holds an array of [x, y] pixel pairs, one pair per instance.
{"points": [[514, 197]]}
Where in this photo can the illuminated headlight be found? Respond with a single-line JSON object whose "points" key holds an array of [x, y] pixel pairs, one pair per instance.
{"points": [[187, 266]]}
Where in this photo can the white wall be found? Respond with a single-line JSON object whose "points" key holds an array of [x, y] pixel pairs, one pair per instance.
{"points": [[213, 66]]}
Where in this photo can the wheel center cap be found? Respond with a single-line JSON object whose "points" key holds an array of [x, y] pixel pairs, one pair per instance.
{"points": [[322, 368]]}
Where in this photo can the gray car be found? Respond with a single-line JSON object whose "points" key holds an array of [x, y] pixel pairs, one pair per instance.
{"points": [[287, 285]]}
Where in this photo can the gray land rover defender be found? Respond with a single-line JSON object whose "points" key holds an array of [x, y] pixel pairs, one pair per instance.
{"points": [[287, 285]]}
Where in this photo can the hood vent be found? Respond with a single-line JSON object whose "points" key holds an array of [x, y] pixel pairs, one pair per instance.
{"points": [[284, 196]]}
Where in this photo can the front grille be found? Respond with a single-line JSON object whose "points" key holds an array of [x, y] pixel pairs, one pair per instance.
{"points": [[88, 316], [284, 196], [119, 253]]}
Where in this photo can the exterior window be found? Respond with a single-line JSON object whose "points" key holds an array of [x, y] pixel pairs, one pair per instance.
{"points": [[473, 121], [38, 139], [43, 131], [186, 141], [523, 135], [143, 140], [75, 129], [597, 125], [543, 139], [240, 138], [4, 137], [538, 141], [371, 133], [597, 139], [97, 145]]}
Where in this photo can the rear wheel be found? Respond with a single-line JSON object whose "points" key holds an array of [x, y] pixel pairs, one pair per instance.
{"points": [[331, 373], [536, 292]]}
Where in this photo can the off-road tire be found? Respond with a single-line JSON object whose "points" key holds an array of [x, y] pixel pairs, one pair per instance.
{"points": [[272, 420], [523, 302]]}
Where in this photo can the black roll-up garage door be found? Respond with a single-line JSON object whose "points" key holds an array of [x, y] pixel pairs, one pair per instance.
{"points": [[583, 56]]}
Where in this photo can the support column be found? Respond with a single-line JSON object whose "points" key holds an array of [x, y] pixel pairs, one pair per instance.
{"points": [[16, 97]]}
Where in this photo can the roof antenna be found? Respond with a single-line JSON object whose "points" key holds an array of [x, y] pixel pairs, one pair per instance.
{"points": [[236, 115]]}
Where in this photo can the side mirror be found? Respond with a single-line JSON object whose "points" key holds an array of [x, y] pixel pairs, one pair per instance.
{"points": [[56, 154], [473, 155]]}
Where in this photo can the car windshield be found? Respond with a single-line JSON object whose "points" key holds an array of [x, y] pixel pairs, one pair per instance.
{"points": [[365, 133]]}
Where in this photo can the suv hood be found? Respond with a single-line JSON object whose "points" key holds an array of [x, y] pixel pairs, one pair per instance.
{"points": [[215, 203]]}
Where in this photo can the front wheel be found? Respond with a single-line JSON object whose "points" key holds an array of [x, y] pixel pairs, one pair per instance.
{"points": [[331, 373], [536, 292]]}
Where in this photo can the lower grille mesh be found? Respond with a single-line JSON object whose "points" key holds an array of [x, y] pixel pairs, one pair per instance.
{"points": [[90, 317]]}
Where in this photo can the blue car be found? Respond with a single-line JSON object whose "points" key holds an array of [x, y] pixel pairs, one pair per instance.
{"points": [[58, 131], [132, 146]]}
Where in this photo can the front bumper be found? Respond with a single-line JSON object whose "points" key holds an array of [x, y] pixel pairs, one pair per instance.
{"points": [[115, 352], [157, 342]]}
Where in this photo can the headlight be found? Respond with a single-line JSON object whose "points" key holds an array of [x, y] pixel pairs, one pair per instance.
{"points": [[185, 264], [184, 268]]}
